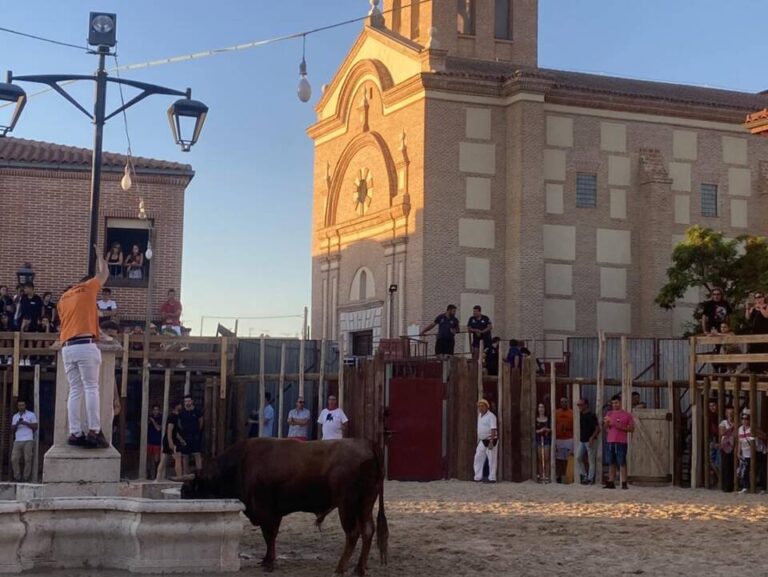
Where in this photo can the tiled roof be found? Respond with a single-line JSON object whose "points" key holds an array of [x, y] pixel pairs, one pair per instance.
{"points": [[18, 150], [608, 85]]}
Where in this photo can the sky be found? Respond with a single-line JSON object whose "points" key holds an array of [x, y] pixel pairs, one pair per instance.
{"points": [[247, 211]]}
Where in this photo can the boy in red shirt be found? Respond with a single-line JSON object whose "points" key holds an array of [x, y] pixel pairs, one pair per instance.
{"points": [[618, 423]]}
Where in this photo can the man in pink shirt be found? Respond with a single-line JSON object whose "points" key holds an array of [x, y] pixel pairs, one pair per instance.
{"points": [[618, 423]]}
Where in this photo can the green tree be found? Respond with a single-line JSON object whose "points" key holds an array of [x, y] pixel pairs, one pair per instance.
{"points": [[707, 259]]}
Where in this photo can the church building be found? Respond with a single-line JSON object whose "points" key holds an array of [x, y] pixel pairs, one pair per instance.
{"points": [[451, 169]]}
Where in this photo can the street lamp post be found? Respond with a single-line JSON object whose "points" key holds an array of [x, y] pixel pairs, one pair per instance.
{"points": [[102, 34]]}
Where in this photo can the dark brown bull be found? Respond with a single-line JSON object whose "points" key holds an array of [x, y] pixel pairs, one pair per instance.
{"points": [[274, 478]]}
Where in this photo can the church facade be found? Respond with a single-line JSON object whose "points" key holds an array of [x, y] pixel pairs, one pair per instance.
{"points": [[451, 169]]}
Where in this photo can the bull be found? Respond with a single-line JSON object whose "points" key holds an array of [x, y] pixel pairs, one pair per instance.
{"points": [[274, 478]]}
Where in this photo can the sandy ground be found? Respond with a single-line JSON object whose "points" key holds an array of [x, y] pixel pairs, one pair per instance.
{"points": [[455, 528]]}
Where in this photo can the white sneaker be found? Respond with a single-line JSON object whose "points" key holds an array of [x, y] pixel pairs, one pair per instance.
{"points": [[742, 491]]}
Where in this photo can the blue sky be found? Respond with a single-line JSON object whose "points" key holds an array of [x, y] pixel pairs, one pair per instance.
{"points": [[247, 223]]}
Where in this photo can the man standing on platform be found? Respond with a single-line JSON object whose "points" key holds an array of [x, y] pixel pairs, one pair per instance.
{"points": [[480, 327], [82, 357], [23, 425], [564, 438], [298, 421], [618, 424], [447, 326], [487, 440]]}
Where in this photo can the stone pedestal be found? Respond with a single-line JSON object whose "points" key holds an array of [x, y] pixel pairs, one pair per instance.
{"points": [[76, 471]]}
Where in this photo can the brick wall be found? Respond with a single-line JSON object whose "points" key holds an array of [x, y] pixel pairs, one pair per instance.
{"points": [[44, 219]]}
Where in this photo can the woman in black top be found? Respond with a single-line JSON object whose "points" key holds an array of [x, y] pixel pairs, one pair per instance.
{"points": [[543, 442], [115, 260]]}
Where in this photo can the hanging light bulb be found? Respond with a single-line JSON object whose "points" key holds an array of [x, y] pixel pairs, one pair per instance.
{"points": [[142, 209], [126, 182], [304, 90], [148, 253]]}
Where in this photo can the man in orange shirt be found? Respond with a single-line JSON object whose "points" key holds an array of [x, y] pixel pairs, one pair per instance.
{"points": [[563, 438], [82, 357]]}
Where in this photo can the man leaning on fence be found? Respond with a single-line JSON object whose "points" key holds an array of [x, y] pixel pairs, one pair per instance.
{"points": [[23, 426], [487, 441]]}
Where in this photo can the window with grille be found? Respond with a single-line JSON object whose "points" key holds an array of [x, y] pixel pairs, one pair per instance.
{"points": [[708, 200], [586, 190], [503, 20]]}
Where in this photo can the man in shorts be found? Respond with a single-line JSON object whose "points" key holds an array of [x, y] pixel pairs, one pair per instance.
{"points": [[563, 439], [190, 434], [79, 336], [618, 423], [171, 444]]}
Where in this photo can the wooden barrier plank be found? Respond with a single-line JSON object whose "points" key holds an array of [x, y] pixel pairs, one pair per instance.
{"points": [[753, 425], [144, 420], [16, 364], [553, 424], [224, 352], [720, 417], [705, 429], [737, 411], [732, 359], [731, 339], [599, 404], [36, 404], [693, 394]]}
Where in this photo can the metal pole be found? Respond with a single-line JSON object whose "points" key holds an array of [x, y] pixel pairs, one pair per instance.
{"points": [[98, 135], [145, 376]]}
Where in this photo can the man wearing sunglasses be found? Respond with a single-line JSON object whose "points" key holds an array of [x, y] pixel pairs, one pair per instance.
{"points": [[333, 421], [298, 421], [714, 311]]}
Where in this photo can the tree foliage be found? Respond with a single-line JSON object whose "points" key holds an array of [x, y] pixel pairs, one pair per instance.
{"points": [[706, 258]]}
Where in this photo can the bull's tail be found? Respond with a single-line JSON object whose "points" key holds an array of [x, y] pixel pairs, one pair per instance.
{"points": [[382, 529]]}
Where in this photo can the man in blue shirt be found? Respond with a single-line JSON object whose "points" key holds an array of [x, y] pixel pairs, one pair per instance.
{"points": [[447, 326], [480, 327]]}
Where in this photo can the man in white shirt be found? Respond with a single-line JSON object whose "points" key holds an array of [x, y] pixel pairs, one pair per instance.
{"points": [[269, 416], [333, 421], [107, 307], [487, 441], [23, 425], [298, 421]]}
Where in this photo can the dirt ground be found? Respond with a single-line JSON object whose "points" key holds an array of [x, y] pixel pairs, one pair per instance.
{"points": [[453, 528]]}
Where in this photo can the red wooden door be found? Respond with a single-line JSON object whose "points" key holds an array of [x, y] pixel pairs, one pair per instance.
{"points": [[416, 423]]}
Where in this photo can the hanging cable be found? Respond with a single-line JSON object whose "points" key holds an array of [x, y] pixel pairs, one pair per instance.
{"points": [[42, 38]]}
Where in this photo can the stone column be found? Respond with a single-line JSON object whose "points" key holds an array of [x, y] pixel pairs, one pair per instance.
{"points": [[77, 471]]}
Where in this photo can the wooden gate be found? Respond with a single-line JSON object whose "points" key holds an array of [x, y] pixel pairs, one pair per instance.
{"points": [[415, 425], [649, 457]]}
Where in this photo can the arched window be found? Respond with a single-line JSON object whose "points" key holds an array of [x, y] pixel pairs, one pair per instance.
{"points": [[363, 285], [503, 20], [465, 17]]}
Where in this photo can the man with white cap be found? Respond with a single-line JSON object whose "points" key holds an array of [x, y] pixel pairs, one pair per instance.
{"points": [[487, 440]]}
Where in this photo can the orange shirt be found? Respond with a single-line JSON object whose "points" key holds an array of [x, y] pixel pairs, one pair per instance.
{"points": [[78, 311], [564, 423]]}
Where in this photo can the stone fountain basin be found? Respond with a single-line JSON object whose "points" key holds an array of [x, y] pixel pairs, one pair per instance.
{"points": [[133, 534]]}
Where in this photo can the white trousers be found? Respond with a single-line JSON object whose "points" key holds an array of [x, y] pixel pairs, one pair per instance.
{"points": [[82, 364], [480, 455]]}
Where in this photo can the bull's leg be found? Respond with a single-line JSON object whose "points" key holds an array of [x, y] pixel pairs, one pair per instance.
{"points": [[367, 532], [269, 530], [350, 526]]}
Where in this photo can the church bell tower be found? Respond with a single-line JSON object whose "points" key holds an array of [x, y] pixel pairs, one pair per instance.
{"points": [[482, 29]]}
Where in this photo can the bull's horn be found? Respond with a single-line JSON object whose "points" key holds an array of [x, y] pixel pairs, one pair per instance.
{"points": [[188, 477]]}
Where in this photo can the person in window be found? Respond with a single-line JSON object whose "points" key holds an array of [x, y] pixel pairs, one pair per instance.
{"points": [[6, 301], [115, 260], [134, 263]]}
